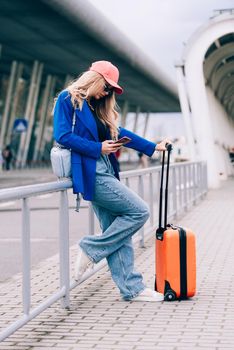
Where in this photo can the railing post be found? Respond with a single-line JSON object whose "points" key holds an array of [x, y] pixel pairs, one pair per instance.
{"points": [[158, 192], [64, 248], [180, 187], [151, 193], [174, 183], [185, 189], [202, 181], [194, 183], [189, 186], [141, 194], [127, 182], [206, 178], [26, 256], [199, 179], [91, 220]]}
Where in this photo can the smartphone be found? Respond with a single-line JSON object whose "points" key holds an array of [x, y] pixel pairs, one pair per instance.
{"points": [[123, 140]]}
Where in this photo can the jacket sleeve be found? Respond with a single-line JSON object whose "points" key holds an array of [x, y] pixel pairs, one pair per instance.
{"points": [[63, 113], [138, 143]]}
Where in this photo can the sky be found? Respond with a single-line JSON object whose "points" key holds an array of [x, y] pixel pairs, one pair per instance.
{"points": [[161, 28]]}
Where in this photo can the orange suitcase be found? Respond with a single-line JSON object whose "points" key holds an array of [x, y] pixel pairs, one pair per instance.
{"points": [[175, 253]]}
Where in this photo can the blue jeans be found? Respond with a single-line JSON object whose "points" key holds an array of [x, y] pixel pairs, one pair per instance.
{"points": [[121, 213]]}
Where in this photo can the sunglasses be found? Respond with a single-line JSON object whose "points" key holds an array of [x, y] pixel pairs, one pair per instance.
{"points": [[108, 89]]}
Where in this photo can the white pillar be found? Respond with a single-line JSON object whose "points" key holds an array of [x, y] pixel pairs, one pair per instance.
{"points": [[193, 58], [28, 109], [124, 114], [202, 120], [67, 80], [15, 101], [49, 114], [146, 123], [43, 114], [136, 119], [33, 115], [184, 104], [7, 108]]}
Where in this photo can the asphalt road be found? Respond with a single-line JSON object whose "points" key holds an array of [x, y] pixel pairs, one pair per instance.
{"points": [[44, 221], [44, 229]]}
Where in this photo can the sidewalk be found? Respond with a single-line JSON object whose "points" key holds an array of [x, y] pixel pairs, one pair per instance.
{"points": [[22, 177], [98, 319]]}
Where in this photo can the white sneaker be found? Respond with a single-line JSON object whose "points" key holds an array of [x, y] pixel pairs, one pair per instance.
{"points": [[83, 263], [149, 295]]}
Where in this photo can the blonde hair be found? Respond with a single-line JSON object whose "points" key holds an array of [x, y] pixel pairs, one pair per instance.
{"points": [[86, 86]]}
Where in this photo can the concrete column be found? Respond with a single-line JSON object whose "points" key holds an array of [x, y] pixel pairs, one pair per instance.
{"points": [[124, 114], [146, 123], [48, 118], [184, 104], [202, 118], [136, 119], [67, 80], [28, 109], [33, 115], [9, 98], [42, 118], [15, 102], [223, 130]]}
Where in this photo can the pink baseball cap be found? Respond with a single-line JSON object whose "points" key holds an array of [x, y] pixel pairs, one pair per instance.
{"points": [[109, 72]]}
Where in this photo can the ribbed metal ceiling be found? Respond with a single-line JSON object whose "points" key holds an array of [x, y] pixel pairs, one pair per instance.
{"points": [[67, 36], [219, 71]]}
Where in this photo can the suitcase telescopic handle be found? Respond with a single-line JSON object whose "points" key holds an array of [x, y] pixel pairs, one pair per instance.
{"points": [[169, 149], [161, 229]]}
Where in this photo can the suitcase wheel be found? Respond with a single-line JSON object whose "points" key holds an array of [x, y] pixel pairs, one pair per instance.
{"points": [[170, 295]]}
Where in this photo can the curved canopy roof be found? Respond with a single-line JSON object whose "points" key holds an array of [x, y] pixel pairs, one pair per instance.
{"points": [[67, 36], [219, 71]]}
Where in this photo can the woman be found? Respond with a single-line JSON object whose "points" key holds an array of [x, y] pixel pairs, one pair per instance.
{"points": [[120, 211]]}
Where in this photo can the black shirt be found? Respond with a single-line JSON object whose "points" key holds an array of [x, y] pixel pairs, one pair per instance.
{"points": [[101, 127]]}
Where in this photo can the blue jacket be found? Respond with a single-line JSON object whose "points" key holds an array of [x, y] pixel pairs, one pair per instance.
{"points": [[84, 143]]}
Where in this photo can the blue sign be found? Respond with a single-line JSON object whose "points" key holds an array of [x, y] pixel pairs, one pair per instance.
{"points": [[20, 125]]}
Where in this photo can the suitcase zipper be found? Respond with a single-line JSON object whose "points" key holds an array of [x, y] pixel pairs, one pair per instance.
{"points": [[183, 263], [183, 260]]}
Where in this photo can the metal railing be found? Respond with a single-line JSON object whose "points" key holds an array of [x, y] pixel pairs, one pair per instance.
{"points": [[188, 183]]}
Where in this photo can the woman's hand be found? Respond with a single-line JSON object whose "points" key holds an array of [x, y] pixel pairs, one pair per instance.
{"points": [[109, 146], [161, 146]]}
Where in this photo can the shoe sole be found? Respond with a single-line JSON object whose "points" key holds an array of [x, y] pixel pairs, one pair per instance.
{"points": [[147, 299]]}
